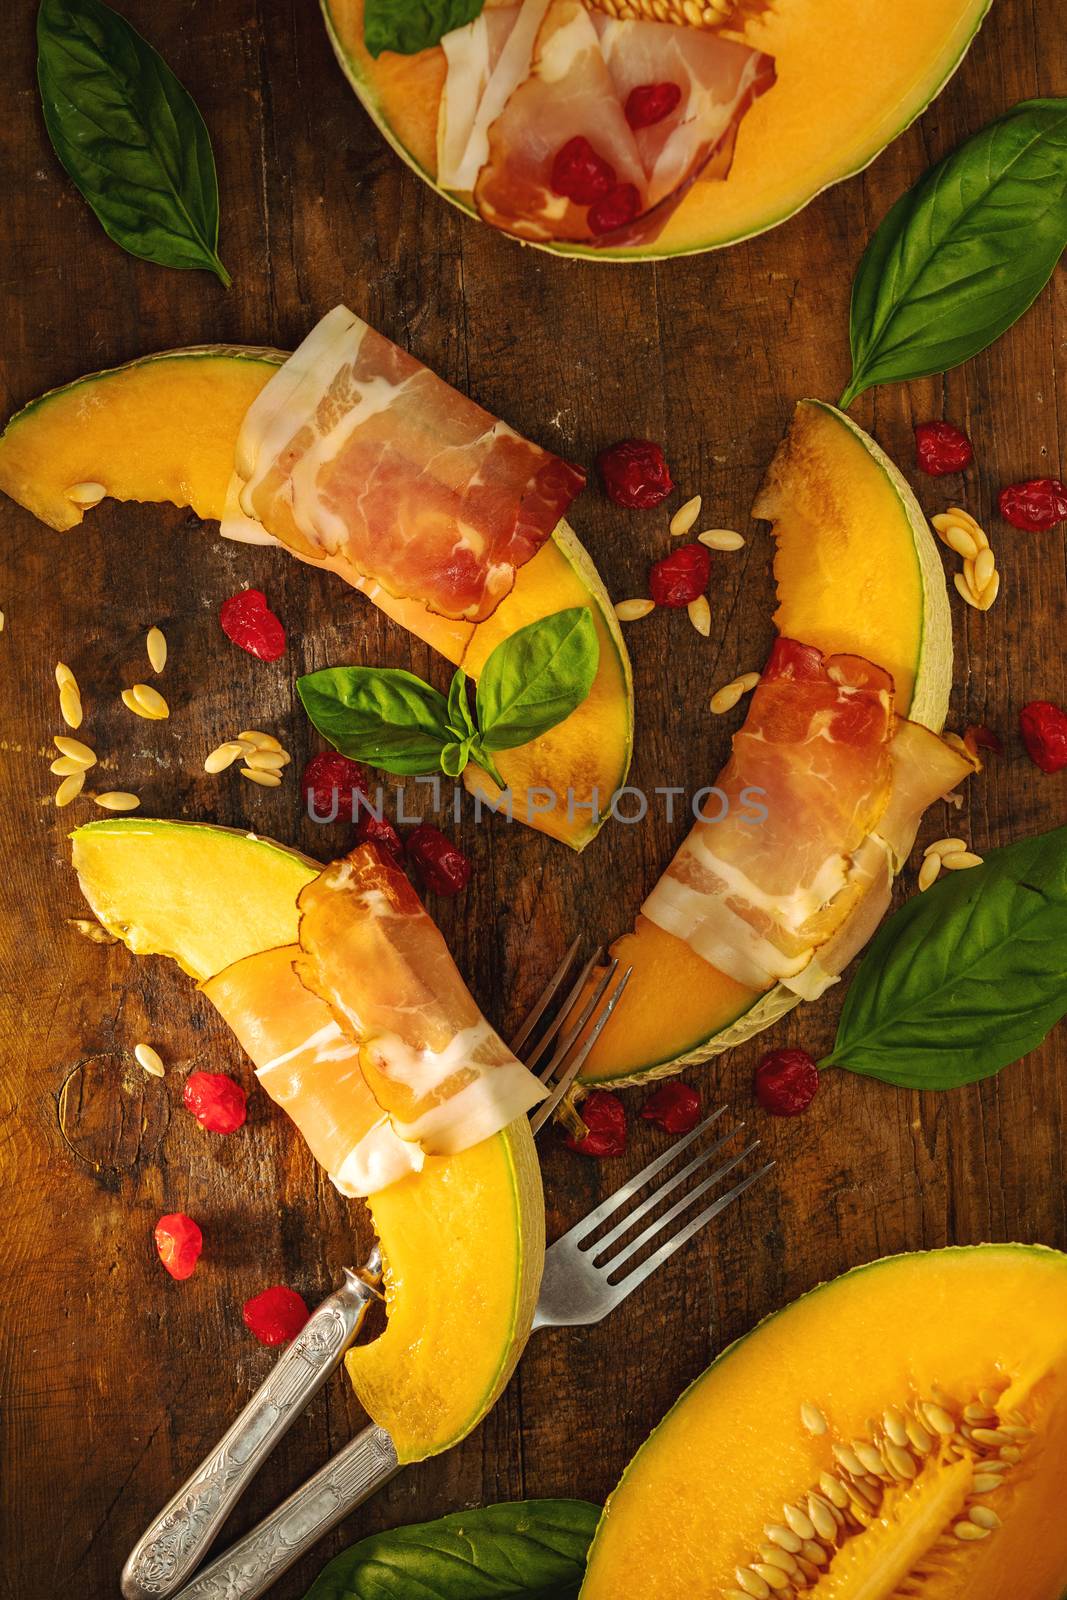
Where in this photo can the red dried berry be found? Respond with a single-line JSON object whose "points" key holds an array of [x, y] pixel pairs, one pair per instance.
{"points": [[179, 1242], [604, 1116], [618, 207], [217, 1102], [580, 174], [248, 621], [649, 103], [674, 1107], [275, 1316], [379, 831], [1036, 505], [635, 474], [680, 577], [941, 448], [786, 1082], [330, 783], [1044, 728], [979, 737], [440, 864]]}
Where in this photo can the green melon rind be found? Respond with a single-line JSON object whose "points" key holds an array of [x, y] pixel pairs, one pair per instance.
{"points": [[929, 705], [1041, 1250], [364, 91]]}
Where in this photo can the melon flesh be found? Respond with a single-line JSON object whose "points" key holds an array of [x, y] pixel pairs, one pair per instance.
{"points": [[165, 429], [851, 76], [207, 896], [857, 571], [734, 1453]]}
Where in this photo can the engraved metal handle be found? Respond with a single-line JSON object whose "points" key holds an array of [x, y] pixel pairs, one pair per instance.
{"points": [[178, 1539], [250, 1566]]}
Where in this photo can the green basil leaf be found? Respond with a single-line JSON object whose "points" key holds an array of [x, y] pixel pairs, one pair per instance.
{"points": [[965, 978], [459, 712], [129, 135], [963, 254], [412, 25], [380, 715], [454, 757], [480, 754], [533, 1549], [536, 677]]}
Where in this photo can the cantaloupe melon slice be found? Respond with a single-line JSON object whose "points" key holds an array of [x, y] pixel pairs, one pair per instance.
{"points": [[164, 428], [982, 1327], [857, 570], [207, 897], [852, 74]]}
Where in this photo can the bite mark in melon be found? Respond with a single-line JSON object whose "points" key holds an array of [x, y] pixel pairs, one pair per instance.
{"points": [[857, 571], [164, 428], [207, 897], [980, 1327], [851, 76]]}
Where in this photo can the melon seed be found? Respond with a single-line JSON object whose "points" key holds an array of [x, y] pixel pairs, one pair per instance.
{"points": [[814, 1553], [939, 1419], [990, 1436], [752, 1584], [849, 1460], [969, 1530], [899, 1461], [800, 1524], [785, 1538], [1011, 1452], [773, 1556], [834, 1490], [822, 1517], [984, 1517], [773, 1576], [813, 1419], [918, 1437], [869, 1457], [893, 1423], [985, 1483]]}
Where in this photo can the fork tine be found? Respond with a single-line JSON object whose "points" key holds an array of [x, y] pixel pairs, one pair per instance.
{"points": [[614, 1202], [676, 1210], [661, 1193], [634, 1279], [574, 1066], [559, 1020], [534, 1017], [573, 1029]]}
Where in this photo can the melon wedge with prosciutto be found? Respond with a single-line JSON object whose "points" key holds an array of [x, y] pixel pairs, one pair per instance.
{"points": [[358, 457]]}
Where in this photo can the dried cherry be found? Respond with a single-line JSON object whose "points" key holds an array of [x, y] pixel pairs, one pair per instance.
{"points": [[605, 1117], [680, 577], [635, 474], [787, 1081], [1035, 505], [248, 621], [675, 1107], [1044, 730], [179, 1242], [440, 864], [330, 783], [649, 103], [217, 1101], [580, 174], [275, 1316], [618, 207], [941, 448]]}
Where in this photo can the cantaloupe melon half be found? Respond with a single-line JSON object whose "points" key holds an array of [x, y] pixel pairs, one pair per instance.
{"points": [[857, 570], [852, 74], [982, 1327], [463, 1241], [164, 428]]}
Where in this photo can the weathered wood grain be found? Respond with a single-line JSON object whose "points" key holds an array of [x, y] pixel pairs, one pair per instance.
{"points": [[113, 1379]]}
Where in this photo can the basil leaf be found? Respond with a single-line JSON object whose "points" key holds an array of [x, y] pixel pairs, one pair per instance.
{"points": [[459, 712], [129, 135], [965, 978], [454, 757], [480, 754], [536, 677], [380, 715], [412, 25], [533, 1549], [964, 253]]}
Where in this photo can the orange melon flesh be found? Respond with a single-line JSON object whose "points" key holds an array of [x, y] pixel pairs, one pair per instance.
{"points": [[733, 1452], [208, 897], [852, 74], [857, 571], [165, 428]]}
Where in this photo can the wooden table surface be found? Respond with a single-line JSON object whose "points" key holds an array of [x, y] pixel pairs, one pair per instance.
{"points": [[113, 1379]]}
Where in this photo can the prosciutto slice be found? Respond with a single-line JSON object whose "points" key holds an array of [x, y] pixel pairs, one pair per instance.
{"points": [[357, 456], [311, 1068], [524, 80], [844, 783], [433, 1063]]}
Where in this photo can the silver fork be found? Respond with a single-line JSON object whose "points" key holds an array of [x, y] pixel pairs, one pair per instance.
{"points": [[577, 1288]]}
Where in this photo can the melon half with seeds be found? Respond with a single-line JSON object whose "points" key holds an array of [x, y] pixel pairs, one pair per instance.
{"points": [[850, 75], [208, 897], [858, 572], [897, 1434], [164, 428]]}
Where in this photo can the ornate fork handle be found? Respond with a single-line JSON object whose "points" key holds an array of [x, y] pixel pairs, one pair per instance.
{"points": [[252, 1564], [177, 1540]]}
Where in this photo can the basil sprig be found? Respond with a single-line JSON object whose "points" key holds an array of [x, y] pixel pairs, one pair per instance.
{"points": [[129, 135], [390, 719], [962, 255], [965, 978], [409, 26], [526, 1550]]}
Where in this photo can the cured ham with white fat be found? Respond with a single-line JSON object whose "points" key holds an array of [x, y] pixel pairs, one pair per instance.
{"points": [[532, 86], [844, 782], [358, 457], [370, 950]]}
